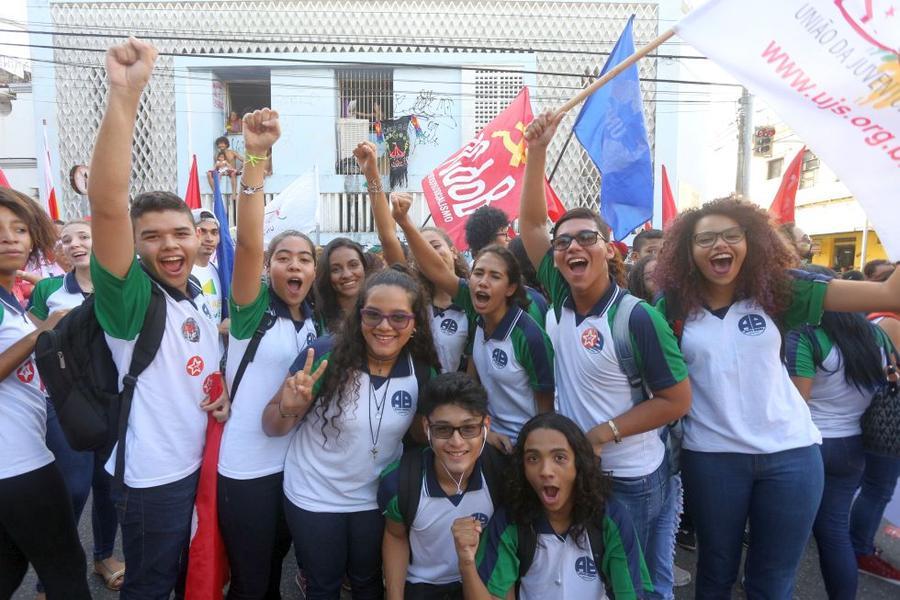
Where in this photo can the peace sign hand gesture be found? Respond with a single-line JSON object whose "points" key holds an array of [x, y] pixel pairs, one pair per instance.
{"points": [[297, 391]]}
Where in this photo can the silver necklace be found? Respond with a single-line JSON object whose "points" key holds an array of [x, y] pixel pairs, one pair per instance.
{"points": [[375, 432]]}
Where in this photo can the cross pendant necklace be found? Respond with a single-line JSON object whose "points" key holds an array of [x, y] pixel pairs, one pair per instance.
{"points": [[375, 432]]}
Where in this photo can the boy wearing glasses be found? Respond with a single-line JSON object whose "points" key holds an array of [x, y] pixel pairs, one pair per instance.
{"points": [[592, 388], [424, 492]]}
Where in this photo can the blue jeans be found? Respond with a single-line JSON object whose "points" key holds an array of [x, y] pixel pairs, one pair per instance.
{"points": [[156, 530], [779, 493], [844, 461], [332, 544], [653, 504], [82, 472], [875, 491]]}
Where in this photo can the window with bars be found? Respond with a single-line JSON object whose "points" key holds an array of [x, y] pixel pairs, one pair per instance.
{"points": [[365, 97], [493, 92], [809, 170]]}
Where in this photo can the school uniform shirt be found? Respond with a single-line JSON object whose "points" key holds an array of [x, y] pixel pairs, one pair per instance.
{"points": [[592, 389], [208, 277], [743, 398], [433, 555], [450, 329], [515, 361], [166, 427], [55, 293], [836, 406], [23, 409], [246, 451], [563, 567], [335, 470]]}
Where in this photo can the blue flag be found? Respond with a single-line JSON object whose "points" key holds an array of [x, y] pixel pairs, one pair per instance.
{"points": [[611, 128], [225, 249]]}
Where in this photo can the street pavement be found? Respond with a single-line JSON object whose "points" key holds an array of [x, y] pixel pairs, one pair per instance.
{"points": [[809, 581]]}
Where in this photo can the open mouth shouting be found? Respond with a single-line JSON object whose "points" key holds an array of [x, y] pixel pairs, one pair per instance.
{"points": [[481, 299], [577, 265], [294, 285], [549, 495], [721, 263], [173, 266]]}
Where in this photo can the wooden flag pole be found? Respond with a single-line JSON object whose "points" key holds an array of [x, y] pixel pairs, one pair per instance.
{"points": [[639, 54]]}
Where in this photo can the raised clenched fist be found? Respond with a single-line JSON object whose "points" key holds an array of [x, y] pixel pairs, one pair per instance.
{"points": [[129, 65]]}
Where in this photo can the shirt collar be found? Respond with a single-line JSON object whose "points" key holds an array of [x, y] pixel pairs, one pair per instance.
{"points": [[9, 299], [193, 287], [506, 324], [437, 310], [401, 368], [433, 486], [602, 305], [70, 282]]}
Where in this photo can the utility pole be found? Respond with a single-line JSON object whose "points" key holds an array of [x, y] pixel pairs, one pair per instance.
{"points": [[745, 143]]}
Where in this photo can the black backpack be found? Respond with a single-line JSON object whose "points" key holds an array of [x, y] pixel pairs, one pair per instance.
{"points": [[82, 380], [528, 545], [409, 483]]}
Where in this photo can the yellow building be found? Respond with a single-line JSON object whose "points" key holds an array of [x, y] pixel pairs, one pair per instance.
{"points": [[837, 250]]}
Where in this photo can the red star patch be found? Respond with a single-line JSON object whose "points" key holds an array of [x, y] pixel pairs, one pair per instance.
{"points": [[194, 366]]}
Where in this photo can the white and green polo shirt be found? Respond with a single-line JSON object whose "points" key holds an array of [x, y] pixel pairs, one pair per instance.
{"points": [[166, 427], [208, 277], [433, 556], [450, 330], [23, 408], [591, 386], [246, 451], [55, 293], [515, 361]]}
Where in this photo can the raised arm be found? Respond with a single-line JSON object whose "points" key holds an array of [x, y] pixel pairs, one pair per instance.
{"points": [[367, 159], [128, 68], [261, 130], [427, 259], [864, 296], [533, 204]]}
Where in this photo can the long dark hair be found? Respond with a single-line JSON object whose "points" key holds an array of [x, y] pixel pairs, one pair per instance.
{"points": [[591, 488], [763, 276], [636, 284], [513, 273], [460, 268], [348, 357], [856, 340], [328, 309]]}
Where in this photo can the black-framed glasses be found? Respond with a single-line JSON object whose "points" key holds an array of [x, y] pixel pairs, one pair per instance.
{"points": [[399, 320], [731, 236], [445, 431], [585, 238]]}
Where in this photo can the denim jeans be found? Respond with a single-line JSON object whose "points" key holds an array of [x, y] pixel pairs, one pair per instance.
{"points": [[156, 530], [332, 544], [779, 493], [844, 461], [875, 491], [82, 472], [653, 504]]}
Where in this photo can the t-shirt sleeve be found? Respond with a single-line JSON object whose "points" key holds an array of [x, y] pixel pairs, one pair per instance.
{"points": [[798, 354], [120, 303], [245, 319], [537, 307], [534, 352], [388, 501], [37, 304], [623, 566], [807, 299], [497, 558], [552, 281], [321, 351], [656, 350], [463, 299]]}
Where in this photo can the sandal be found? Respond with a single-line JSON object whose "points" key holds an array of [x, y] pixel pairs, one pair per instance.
{"points": [[112, 579]]}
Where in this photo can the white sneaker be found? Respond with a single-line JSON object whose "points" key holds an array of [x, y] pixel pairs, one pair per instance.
{"points": [[681, 576]]}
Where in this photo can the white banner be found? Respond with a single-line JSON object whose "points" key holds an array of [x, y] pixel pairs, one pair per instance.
{"points": [[830, 69], [294, 208]]}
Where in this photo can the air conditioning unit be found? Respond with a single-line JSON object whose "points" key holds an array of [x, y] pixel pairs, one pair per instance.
{"points": [[350, 132]]}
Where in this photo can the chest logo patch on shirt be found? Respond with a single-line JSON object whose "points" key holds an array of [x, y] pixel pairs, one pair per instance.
{"points": [[310, 338], [190, 330], [585, 568], [482, 518], [499, 358], [206, 311], [752, 324], [402, 403], [194, 366], [449, 326], [25, 372], [591, 340]]}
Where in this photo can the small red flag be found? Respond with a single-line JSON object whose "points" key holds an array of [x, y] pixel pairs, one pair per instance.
{"points": [[555, 208], [782, 209], [4, 182], [192, 195], [669, 212]]}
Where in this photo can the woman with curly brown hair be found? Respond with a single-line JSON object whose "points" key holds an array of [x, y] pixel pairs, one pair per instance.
{"points": [[749, 440], [354, 396]]}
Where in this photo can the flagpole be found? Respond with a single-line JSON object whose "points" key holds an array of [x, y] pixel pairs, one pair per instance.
{"points": [[639, 54], [561, 153]]}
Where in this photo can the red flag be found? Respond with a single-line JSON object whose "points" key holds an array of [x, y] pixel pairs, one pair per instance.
{"points": [[782, 209], [669, 212], [555, 208], [52, 207], [207, 561], [192, 195], [487, 170], [4, 182]]}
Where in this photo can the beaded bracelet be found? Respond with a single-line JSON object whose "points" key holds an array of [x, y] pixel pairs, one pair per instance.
{"points": [[374, 187]]}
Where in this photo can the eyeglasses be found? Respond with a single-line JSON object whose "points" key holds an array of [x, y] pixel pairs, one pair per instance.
{"points": [[443, 431], [585, 238], [730, 236], [399, 320]]}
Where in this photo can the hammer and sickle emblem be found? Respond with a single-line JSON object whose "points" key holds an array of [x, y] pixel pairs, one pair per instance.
{"points": [[516, 150]]}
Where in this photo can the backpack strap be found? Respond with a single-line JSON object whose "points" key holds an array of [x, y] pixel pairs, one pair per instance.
{"points": [[409, 485], [266, 323], [621, 333], [525, 550], [598, 549], [493, 466], [145, 349]]}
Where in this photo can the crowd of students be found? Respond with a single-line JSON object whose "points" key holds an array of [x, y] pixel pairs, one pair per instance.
{"points": [[433, 430]]}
